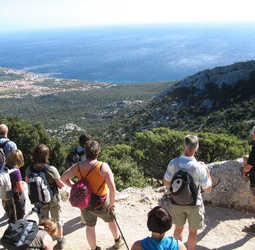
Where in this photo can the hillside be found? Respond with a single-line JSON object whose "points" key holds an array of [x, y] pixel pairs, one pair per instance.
{"points": [[217, 100]]}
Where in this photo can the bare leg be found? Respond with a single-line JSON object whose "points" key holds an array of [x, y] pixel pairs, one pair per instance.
{"points": [[114, 229], [60, 232], [192, 240], [91, 236], [178, 232]]}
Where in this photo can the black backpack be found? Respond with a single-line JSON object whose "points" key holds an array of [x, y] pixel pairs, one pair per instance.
{"points": [[251, 175], [19, 235], [2, 154], [183, 190], [73, 157]]}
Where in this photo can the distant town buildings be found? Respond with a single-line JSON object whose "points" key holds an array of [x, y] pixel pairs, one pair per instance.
{"points": [[19, 83]]}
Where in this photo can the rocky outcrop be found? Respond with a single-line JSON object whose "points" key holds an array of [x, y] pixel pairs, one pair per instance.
{"points": [[232, 191], [228, 75]]}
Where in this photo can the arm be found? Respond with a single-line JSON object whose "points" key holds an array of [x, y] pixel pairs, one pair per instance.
{"points": [[169, 173], [68, 174], [137, 246], [109, 179], [60, 183], [181, 245], [19, 187], [47, 242], [209, 182], [166, 183]]}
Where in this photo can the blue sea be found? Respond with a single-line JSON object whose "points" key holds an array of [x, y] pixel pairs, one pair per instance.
{"points": [[128, 54]]}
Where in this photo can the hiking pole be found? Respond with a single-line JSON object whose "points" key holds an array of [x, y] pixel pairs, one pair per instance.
{"points": [[114, 217]]}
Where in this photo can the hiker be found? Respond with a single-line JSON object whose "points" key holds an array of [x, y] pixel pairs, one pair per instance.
{"points": [[48, 229], [159, 222], [249, 173], [249, 163], [78, 154], [15, 206], [40, 164], [101, 182], [200, 175], [6, 144]]}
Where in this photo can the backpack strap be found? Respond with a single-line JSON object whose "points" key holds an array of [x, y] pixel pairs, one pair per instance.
{"points": [[102, 182], [90, 171], [2, 145]]}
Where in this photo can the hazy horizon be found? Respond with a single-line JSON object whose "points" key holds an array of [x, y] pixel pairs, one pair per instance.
{"points": [[128, 54], [30, 14]]}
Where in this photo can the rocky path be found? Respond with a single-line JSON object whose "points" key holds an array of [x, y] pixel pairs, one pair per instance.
{"points": [[223, 230]]}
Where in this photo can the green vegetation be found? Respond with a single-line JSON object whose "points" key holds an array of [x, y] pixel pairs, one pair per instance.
{"points": [[27, 136], [93, 110], [150, 152], [133, 164]]}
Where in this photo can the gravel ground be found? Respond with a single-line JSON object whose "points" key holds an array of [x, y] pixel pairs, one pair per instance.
{"points": [[223, 230]]}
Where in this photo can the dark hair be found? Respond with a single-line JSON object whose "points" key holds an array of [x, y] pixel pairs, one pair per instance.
{"points": [[41, 154], [92, 149], [84, 138], [159, 220]]}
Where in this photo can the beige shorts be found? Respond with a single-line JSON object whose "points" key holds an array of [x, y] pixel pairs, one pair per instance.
{"points": [[194, 215], [90, 216]]}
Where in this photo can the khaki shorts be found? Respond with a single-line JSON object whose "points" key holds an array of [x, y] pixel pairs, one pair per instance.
{"points": [[53, 209], [194, 215], [90, 216]]}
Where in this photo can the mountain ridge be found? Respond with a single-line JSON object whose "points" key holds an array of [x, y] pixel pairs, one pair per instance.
{"points": [[221, 99]]}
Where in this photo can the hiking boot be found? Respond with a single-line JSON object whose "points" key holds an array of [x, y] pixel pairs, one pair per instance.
{"points": [[250, 229], [118, 243], [97, 248], [61, 243]]}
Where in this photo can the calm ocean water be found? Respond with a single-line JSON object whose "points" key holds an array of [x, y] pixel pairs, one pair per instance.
{"points": [[129, 53]]}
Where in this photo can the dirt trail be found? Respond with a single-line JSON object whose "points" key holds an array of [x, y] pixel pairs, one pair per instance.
{"points": [[223, 230]]}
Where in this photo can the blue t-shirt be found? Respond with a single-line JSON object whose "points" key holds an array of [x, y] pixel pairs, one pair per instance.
{"points": [[9, 146], [167, 243]]}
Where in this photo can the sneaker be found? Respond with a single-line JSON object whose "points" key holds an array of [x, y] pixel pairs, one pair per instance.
{"points": [[118, 243], [61, 243]]}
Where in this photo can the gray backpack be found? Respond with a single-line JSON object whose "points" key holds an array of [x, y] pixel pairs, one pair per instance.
{"points": [[183, 190], [5, 183]]}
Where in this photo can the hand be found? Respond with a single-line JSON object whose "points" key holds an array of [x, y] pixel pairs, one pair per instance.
{"points": [[246, 169], [111, 208]]}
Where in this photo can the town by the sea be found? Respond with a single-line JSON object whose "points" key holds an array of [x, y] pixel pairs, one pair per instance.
{"points": [[128, 54]]}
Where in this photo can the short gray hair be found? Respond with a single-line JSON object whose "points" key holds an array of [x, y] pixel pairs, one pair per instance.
{"points": [[191, 143]]}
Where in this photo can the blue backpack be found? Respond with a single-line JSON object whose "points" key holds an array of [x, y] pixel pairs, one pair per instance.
{"points": [[19, 235]]}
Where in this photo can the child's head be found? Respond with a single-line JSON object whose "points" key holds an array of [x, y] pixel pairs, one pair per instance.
{"points": [[159, 220], [50, 226]]}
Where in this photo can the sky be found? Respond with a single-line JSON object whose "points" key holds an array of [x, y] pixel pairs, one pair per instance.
{"points": [[41, 14]]}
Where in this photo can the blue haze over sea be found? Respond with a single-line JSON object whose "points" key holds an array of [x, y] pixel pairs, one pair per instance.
{"points": [[128, 54]]}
